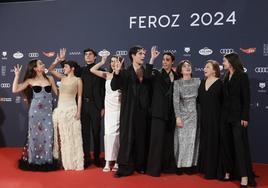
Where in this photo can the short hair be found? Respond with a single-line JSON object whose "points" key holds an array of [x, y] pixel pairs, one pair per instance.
{"points": [[90, 50], [169, 54], [179, 67], [133, 51], [215, 67]]}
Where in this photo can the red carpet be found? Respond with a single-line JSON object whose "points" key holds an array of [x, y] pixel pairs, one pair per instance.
{"points": [[12, 177]]}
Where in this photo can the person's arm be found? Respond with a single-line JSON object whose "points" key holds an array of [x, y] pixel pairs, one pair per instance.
{"points": [[118, 79], [176, 103], [60, 58], [150, 65], [16, 87], [95, 69], [53, 85], [79, 98], [245, 99]]}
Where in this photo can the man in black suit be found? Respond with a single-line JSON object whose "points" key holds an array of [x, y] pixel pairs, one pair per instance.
{"points": [[92, 107], [161, 150]]}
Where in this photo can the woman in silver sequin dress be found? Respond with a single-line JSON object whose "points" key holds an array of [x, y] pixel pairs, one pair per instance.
{"points": [[186, 139]]}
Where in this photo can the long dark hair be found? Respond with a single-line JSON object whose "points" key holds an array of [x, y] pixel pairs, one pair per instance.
{"points": [[30, 73], [235, 61], [120, 59], [179, 67]]}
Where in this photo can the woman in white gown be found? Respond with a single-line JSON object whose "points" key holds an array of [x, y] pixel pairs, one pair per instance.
{"points": [[112, 113], [66, 117]]}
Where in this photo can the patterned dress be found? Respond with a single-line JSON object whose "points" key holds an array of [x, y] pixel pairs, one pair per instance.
{"points": [[186, 139], [37, 154]]}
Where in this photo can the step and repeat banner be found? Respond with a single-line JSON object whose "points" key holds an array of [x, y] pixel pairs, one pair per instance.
{"points": [[194, 30]]}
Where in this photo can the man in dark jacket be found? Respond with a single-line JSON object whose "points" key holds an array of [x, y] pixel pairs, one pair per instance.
{"points": [[134, 117], [161, 150]]}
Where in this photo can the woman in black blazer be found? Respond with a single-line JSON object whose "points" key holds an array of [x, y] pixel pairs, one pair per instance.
{"points": [[235, 119]]}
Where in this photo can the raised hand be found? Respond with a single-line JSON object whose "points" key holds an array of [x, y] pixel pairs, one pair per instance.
{"points": [[62, 54], [118, 65], [154, 52], [17, 70]]}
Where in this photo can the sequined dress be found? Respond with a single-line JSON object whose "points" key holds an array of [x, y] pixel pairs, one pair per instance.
{"points": [[37, 153], [186, 139]]}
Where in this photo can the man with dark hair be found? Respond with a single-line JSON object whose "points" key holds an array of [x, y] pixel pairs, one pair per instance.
{"points": [[161, 151], [92, 107], [134, 117]]}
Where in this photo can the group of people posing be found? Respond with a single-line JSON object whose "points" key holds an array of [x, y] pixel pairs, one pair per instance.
{"points": [[155, 121]]}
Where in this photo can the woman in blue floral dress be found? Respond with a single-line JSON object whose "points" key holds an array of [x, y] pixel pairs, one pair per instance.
{"points": [[37, 88]]}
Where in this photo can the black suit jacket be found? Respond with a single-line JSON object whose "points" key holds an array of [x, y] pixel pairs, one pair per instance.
{"points": [[236, 99], [162, 93]]}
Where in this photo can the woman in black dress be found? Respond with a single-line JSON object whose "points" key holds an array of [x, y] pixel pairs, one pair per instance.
{"points": [[210, 100], [235, 120]]}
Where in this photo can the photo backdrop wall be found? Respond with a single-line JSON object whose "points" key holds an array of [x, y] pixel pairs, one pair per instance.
{"points": [[194, 30]]}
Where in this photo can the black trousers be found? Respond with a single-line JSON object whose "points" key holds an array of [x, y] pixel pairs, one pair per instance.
{"points": [[91, 121], [236, 153], [161, 151]]}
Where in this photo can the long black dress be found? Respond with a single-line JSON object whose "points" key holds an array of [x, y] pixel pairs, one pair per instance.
{"points": [[134, 120], [210, 102]]}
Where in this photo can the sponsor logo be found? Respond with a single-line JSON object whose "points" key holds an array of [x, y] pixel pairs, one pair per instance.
{"points": [[4, 99], [60, 70], [198, 69], [248, 50], [5, 85], [49, 54], [171, 51], [265, 49], [205, 51], [4, 55], [224, 51], [75, 53], [121, 52], [33, 55], [3, 70], [262, 85], [18, 99], [18, 55], [261, 69], [187, 51]]}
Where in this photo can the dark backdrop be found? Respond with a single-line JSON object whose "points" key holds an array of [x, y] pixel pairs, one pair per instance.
{"points": [[194, 30]]}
